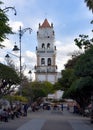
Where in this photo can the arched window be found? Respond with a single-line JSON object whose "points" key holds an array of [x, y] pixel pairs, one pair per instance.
{"points": [[42, 61], [48, 45], [49, 61], [43, 45]]}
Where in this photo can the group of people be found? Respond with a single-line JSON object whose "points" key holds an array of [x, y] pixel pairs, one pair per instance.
{"points": [[58, 107], [14, 111]]}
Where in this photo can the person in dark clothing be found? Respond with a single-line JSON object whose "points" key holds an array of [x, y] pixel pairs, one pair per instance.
{"points": [[25, 109], [61, 107]]}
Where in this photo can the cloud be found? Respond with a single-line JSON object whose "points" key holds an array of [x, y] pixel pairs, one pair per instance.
{"points": [[64, 52], [30, 61], [8, 44], [1, 60], [31, 56], [15, 25]]}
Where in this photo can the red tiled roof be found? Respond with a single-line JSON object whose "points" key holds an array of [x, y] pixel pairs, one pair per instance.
{"points": [[45, 24]]}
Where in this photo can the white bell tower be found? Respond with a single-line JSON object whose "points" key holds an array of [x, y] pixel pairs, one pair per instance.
{"points": [[46, 68]]}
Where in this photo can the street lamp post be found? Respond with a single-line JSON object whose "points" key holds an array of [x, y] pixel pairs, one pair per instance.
{"points": [[30, 72], [8, 8], [8, 59], [21, 32]]}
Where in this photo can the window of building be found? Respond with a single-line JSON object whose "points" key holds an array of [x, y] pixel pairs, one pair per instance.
{"points": [[43, 45], [48, 45], [42, 61], [49, 61]]}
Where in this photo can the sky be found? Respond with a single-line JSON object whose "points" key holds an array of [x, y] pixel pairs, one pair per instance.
{"points": [[69, 17]]}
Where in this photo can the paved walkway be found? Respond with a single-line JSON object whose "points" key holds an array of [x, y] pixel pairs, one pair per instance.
{"points": [[56, 120], [34, 124], [48, 120]]}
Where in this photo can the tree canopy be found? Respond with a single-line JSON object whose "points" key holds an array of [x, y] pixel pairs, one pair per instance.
{"points": [[5, 29], [81, 87], [8, 77], [84, 66], [35, 90], [89, 4]]}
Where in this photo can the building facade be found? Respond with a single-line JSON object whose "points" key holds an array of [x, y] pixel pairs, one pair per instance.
{"points": [[46, 68]]}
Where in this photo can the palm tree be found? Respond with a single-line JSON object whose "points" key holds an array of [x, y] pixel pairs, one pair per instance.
{"points": [[89, 4]]}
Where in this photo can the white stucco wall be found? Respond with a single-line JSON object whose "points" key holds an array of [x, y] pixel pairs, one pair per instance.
{"points": [[50, 78]]}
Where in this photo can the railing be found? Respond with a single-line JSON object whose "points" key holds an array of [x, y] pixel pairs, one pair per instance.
{"points": [[45, 70], [45, 51]]}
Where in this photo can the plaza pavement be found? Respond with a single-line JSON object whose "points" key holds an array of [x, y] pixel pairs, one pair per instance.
{"points": [[48, 120]]}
